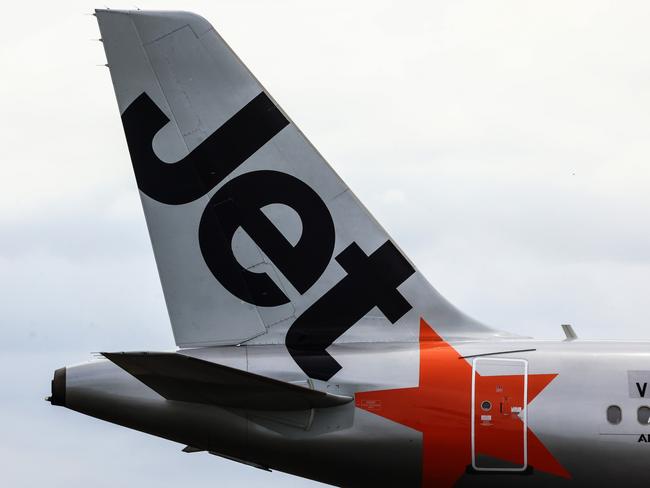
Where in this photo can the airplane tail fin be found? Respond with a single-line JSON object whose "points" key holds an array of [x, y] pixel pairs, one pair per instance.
{"points": [[256, 238]]}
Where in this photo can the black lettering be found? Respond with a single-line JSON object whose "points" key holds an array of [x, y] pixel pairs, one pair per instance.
{"points": [[643, 438], [238, 204], [642, 389], [371, 281], [210, 162]]}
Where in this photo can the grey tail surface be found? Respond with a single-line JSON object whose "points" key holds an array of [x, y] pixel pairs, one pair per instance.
{"points": [[256, 238]]}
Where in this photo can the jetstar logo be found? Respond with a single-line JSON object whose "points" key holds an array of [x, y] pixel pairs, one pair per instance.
{"points": [[440, 408], [371, 280]]}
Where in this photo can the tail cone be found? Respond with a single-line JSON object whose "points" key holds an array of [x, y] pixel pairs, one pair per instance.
{"points": [[58, 388]]}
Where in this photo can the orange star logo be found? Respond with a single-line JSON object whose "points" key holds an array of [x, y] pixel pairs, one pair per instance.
{"points": [[440, 408]]}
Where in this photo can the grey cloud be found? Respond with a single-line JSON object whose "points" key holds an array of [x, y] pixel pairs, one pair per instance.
{"points": [[503, 144]]}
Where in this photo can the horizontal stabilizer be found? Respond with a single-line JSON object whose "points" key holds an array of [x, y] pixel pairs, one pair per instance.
{"points": [[183, 378]]}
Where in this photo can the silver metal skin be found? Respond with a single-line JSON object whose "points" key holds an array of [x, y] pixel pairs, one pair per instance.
{"points": [[396, 387], [347, 446]]}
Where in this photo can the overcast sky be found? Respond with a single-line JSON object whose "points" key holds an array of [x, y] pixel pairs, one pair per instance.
{"points": [[505, 146]]}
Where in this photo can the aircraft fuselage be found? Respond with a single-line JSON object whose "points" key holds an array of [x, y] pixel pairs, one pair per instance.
{"points": [[414, 436]]}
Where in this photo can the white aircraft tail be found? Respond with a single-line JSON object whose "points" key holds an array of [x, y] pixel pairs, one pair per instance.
{"points": [[255, 236]]}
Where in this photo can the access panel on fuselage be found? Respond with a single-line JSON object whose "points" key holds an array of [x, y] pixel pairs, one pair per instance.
{"points": [[499, 418]]}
